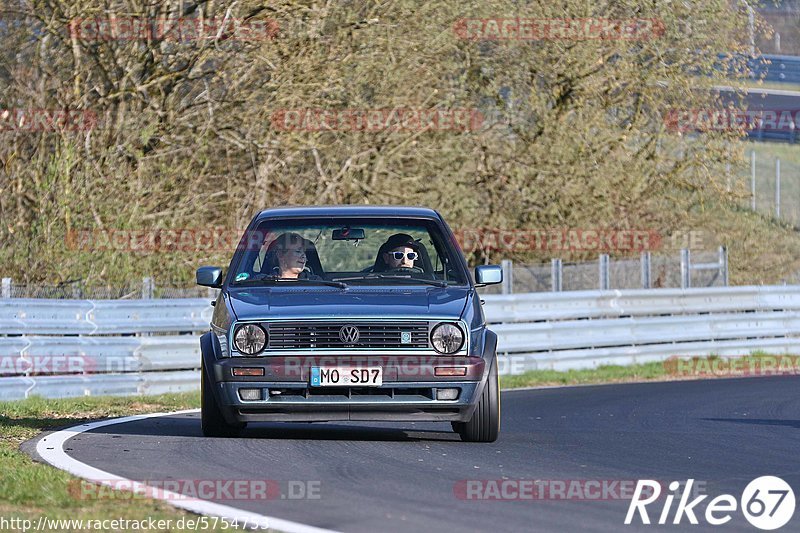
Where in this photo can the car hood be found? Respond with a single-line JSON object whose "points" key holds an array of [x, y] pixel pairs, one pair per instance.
{"points": [[252, 303]]}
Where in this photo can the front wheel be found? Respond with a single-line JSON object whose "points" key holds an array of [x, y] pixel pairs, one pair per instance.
{"points": [[211, 419], [484, 426]]}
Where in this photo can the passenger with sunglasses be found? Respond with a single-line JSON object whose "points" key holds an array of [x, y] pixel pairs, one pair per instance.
{"points": [[399, 251]]}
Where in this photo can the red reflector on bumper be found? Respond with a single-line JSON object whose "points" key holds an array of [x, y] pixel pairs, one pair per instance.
{"points": [[450, 371], [248, 371]]}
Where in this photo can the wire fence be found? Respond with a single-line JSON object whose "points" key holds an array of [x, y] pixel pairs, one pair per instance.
{"points": [[773, 183], [784, 19], [698, 269], [146, 288]]}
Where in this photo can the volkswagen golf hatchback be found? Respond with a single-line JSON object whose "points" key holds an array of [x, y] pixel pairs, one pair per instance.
{"points": [[349, 313]]}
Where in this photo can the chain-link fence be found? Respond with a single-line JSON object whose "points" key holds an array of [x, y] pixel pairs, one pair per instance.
{"points": [[80, 290], [772, 181], [784, 19], [698, 269]]}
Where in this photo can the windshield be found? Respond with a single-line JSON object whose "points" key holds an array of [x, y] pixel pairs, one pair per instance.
{"points": [[357, 250]]}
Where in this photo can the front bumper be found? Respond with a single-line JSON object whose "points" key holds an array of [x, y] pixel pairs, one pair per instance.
{"points": [[408, 392]]}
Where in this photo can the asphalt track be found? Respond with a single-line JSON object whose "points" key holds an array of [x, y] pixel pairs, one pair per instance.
{"points": [[383, 477]]}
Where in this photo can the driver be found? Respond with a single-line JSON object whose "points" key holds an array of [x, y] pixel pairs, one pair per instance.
{"points": [[400, 251], [291, 252]]}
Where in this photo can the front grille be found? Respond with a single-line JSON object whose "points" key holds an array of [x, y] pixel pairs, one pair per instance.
{"points": [[373, 335]]}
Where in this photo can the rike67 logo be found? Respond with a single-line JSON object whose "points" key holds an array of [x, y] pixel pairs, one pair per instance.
{"points": [[767, 503]]}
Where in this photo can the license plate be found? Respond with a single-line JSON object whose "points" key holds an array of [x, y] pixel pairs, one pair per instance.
{"points": [[346, 377]]}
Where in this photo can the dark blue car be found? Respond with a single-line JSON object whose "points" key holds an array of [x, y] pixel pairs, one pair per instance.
{"points": [[349, 313]]}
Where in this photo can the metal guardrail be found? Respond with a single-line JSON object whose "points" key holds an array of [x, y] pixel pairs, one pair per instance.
{"points": [[776, 68], [533, 307], [586, 329], [50, 355], [26, 316], [18, 387], [554, 336], [771, 67], [563, 360], [774, 124], [60, 348]]}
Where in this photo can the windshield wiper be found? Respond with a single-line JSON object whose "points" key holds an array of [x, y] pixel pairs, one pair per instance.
{"points": [[436, 283], [276, 279]]}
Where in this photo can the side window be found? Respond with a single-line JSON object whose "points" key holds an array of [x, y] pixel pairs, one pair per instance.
{"points": [[256, 245], [442, 262], [259, 240], [258, 262]]}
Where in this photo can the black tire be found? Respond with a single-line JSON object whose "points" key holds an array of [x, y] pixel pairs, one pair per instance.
{"points": [[211, 419], [484, 426]]}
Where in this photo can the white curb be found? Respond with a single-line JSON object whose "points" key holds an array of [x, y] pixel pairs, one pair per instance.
{"points": [[51, 449]]}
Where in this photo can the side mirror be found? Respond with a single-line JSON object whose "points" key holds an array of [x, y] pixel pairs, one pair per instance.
{"points": [[209, 277], [488, 275]]}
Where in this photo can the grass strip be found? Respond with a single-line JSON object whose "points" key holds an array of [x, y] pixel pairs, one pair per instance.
{"points": [[29, 490]]}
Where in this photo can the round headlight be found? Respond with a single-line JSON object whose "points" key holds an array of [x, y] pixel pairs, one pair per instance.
{"points": [[250, 339], [447, 338]]}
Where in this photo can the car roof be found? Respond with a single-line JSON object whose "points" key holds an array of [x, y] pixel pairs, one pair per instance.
{"points": [[349, 211]]}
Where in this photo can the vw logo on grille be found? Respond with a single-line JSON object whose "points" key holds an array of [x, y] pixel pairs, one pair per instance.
{"points": [[349, 334]]}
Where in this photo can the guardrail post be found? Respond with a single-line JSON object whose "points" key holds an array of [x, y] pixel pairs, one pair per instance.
{"points": [[556, 275], [686, 272], [751, 26], [646, 279], [723, 265], [753, 180], [148, 288], [777, 188], [508, 276], [728, 184], [5, 291], [603, 266]]}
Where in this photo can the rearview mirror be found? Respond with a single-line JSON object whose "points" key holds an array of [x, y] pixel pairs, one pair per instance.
{"points": [[488, 274], [348, 234], [209, 277]]}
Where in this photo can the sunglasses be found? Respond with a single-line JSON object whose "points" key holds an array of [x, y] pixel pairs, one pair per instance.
{"points": [[412, 256]]}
